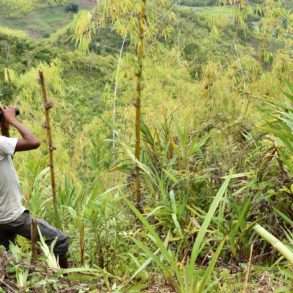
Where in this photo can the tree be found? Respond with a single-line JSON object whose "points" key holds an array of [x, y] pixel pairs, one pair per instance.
{"points": [[142, 22]]}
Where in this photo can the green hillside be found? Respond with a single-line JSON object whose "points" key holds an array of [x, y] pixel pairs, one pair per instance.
{"points": [[172, 155], [43, 19]]}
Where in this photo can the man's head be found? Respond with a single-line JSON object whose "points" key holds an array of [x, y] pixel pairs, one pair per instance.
{"points": [[17, 112]]}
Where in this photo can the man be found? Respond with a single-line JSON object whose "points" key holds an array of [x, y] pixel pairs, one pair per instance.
{"points": [[14, 218]]}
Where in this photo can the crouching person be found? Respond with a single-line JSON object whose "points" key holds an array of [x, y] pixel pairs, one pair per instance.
{"points": [[14, 218]]}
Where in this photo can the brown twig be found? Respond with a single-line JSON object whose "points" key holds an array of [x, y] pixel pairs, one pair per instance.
{"points": [[9, 288], [248, 270]]}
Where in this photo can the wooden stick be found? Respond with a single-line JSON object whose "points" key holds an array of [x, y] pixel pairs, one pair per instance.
{"points": [[34, 238], [139, 88], [47, 107], [82, 243]]}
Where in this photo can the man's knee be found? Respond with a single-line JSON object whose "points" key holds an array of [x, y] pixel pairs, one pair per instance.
{"points": [[5, 243], [62, 244], [52, 234]]}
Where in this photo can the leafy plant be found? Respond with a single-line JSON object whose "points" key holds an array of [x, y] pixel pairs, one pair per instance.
{"points": [[187, 278], [281, 126]]}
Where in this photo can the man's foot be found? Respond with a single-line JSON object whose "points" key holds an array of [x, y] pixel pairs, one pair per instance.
{"points": [[63, 262]]}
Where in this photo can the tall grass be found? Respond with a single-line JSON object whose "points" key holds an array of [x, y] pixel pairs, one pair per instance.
{"points": [[186, 276]]}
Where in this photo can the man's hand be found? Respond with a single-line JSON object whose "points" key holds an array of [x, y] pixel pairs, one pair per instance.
{"points": [[4, 125], [9, 115], [28, 140], [4, 122], [49, 105]]}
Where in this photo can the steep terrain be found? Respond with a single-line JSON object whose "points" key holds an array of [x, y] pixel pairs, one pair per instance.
{"points": [[216, 146]]}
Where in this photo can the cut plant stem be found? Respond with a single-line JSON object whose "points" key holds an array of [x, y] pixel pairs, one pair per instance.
{"points": [[248, 270], [139, 89], [51, 148], [276, 243], [82, 243]]}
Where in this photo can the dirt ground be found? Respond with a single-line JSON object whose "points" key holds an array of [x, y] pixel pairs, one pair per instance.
{"points": [[87, 2]]}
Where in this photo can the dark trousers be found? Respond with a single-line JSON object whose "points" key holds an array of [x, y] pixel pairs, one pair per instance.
{"points": [[23, 225]]}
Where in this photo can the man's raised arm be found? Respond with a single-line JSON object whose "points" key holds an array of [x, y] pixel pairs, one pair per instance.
{"points": [[27, 141]]}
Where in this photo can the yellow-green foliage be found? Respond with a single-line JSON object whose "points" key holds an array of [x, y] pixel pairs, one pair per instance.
{"points": [[83, 28], [17, 7], [123, 16], [31, 104], [167, 81], [13, 33], [201, 126]]}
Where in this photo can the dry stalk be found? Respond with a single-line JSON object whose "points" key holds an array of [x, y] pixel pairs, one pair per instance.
{"points": [[82, 243], [248, 270], [34, 238]]}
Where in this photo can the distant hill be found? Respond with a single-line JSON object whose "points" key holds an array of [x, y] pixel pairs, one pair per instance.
{"points": [[44, 20]]}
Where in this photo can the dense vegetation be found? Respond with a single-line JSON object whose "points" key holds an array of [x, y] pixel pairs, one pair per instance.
{"points": [[210, 157]]}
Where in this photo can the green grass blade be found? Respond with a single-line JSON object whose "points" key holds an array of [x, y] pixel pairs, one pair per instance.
{"points": [[208, 218], [155, 237], [208, 274], [283, 216]]}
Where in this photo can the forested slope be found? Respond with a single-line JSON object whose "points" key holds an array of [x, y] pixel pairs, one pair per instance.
{"points": [[216, 153]]}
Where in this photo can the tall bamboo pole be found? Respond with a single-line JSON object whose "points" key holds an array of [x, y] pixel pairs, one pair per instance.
{"points": [[47, 107], [139, 89], [114, 116]]}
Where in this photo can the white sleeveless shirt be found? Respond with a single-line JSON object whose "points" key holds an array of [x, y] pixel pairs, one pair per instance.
{"points": [[10, 195]]}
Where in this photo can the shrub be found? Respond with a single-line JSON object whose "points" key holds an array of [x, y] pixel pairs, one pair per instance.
{"points": [[74, 8]]}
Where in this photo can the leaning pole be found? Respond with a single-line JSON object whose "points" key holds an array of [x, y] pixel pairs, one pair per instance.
{"points": [[51, 148]]}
